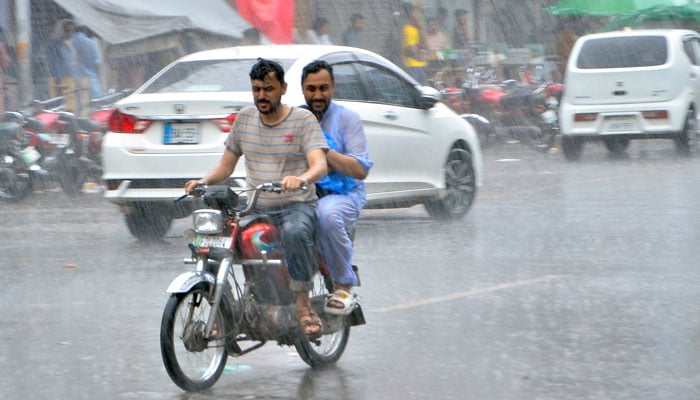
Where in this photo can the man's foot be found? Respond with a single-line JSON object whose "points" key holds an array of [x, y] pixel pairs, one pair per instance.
{"points": [[340, 302], [309, 322]]}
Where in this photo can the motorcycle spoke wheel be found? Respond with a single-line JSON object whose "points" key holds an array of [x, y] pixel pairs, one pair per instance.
{"points": [[325, 350], [193, 362]]}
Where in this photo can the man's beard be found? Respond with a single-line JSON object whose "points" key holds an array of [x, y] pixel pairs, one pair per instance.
{"points": [[272, 108], [319, 112]]}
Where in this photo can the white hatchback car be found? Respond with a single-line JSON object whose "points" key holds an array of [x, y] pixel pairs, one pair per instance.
{"points": [[173, 129], [631, 84]]}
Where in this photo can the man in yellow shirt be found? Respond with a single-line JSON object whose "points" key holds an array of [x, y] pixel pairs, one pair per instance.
{"points": [[414, 51]]}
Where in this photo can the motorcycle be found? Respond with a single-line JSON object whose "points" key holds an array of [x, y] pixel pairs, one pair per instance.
{"points": [[238, 292], [15, 179], [65, 142], [509, 110]]}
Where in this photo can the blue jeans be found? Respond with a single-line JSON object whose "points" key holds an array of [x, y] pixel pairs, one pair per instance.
{"points": [[297, 224]]}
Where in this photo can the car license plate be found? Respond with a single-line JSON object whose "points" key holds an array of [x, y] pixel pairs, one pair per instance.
{"points": [[620, 125], [181, 133], [213, 241]]}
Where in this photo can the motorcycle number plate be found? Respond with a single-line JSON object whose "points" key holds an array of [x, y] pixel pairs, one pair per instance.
{"points": [[181, 133], [59, 139], [213, 241]]}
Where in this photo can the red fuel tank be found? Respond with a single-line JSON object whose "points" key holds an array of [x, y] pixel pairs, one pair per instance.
{"points": [[259, 237]]}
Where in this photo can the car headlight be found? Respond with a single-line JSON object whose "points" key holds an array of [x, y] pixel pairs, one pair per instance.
{"points": [[207, 221]]}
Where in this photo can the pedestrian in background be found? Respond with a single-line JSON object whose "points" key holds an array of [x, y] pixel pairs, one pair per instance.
{"points": [[352, 37], [319, 32], [5, 64], [251, 36], [89, 58], [461, 36], [413, 44], [61, 55]]}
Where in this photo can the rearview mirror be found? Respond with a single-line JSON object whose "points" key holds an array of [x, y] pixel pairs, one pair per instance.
{"points": [[429, 97]]}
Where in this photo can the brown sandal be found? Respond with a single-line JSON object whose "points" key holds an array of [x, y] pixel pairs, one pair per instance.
{"points": [[309, 322]]}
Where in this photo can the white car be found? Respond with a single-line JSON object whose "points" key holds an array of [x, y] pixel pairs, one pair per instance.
{"points": [[631, 84], [173, 129]]}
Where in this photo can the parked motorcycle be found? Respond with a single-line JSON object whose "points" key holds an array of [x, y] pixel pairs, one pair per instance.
{"points": [[15, 179], [508, 110], [239, 292], [65, 142]]}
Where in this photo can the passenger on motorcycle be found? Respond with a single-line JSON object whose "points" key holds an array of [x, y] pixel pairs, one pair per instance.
{"points": [[286, 144], [342, 192]]}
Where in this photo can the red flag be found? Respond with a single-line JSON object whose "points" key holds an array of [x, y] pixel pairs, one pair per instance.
{"points": [[273, 18]]}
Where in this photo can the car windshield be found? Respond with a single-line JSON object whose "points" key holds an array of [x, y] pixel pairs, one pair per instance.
{"points": [[623, 52], [207, 76]]}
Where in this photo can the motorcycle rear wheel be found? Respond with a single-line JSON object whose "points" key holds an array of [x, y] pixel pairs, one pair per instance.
{"points": [[192, 362], [72, 175], [325, 350]]}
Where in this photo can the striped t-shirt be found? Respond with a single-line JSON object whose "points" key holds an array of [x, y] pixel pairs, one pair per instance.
{"points": [[273, 152]]}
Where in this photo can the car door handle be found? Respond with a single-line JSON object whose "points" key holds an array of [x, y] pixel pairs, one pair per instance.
{"points": [[390, 115]]}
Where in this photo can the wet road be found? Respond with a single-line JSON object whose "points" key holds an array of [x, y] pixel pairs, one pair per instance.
{"points": [[565, 281]]}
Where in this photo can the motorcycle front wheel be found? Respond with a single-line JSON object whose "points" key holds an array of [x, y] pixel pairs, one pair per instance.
{"points": [[193, 362], [15, 182]]}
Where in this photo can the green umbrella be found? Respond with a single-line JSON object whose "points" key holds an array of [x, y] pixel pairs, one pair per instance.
{"points": [[672, 16], [603, 8]]}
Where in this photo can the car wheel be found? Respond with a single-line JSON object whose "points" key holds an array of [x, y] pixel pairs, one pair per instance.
{"points": [[686, 141], [460, 187], [572, 146], [148, 224], [616, 145]]}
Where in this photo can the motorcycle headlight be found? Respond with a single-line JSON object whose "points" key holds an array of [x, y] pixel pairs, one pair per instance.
{"points": [[207, 221]]}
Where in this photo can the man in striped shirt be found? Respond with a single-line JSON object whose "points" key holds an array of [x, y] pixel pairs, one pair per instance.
{"points": [[280, 143]]}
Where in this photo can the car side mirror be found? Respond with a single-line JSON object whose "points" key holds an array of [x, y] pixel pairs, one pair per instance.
{"points": [[429, 97]]}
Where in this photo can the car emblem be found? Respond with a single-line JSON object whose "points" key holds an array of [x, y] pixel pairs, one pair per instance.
{"points": [[179, 108], [619, 83]]}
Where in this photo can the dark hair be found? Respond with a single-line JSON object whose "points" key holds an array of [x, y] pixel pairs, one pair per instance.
{"points": [[263, 68], [252, 33], [315, 66], [356, 17], [461, 11], [319, 22], [68, 23]]}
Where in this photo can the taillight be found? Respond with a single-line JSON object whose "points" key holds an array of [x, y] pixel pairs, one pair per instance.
{"points": [[585, 117], [225, 124], [655, 114], [125, 123]]}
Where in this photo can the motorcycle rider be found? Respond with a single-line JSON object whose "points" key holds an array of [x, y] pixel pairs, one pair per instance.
{"points": [[286, 144], [342, 190]]}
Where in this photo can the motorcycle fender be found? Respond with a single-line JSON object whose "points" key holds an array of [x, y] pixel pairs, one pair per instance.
{"points": [[186, 281]]}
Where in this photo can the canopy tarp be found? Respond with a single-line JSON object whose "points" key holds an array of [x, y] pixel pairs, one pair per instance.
{"points": [[131, 27], [604, 8]]}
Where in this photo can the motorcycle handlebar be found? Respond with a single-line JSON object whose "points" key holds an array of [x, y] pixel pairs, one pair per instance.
{"points": [[273, 187]]}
